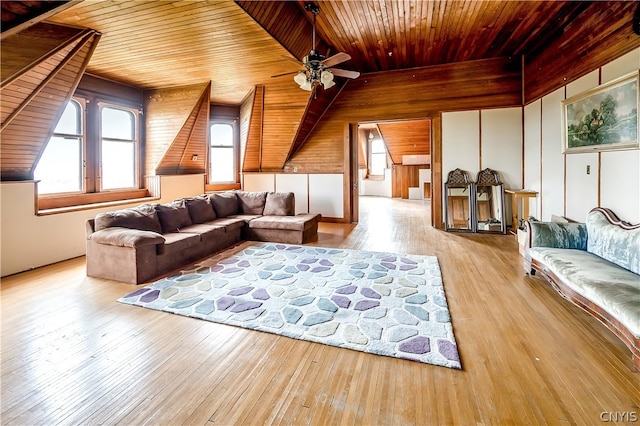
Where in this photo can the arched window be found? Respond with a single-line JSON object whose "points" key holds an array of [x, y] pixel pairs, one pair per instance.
{"points": [[60, 168], [222, 153]]}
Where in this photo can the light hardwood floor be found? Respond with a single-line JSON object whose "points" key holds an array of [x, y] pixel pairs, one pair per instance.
{"points": [[71, 354]]}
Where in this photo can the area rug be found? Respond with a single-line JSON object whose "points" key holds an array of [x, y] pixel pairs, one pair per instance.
{"points": [[382, 303]]}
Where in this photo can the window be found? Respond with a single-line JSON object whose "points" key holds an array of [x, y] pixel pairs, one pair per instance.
{"points": [[60, 169], [92, 156], [377, 157], [222, 153], [118, 148]]}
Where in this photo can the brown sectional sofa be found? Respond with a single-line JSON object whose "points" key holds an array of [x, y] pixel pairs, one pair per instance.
{"points": [[137, 244]]}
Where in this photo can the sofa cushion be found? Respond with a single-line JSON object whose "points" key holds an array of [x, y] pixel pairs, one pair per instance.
{"points": [[229, 223], [143, 217], [280, 204], [224, 203], [126, 237], [173, 216], [558, 235], [290, 223], [609, 286], [200, 209], [613, 243], [251, 202]]}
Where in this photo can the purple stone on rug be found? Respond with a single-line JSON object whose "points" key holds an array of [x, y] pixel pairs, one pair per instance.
{"points": [[216, 268], [232, 270], [320, 269], [388, 265], [372, 294], [150, 297], [224, 302], [260, 294], [347, 290], [341, 301], [138, 292], [245, 306], [417, 345], [407, 267], [448, 350], [364, 305]]}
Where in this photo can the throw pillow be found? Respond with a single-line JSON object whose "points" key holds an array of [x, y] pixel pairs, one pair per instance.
{"points": [[173, 216], [280, 204], [200, 209], [251, 202], [224, 203]]}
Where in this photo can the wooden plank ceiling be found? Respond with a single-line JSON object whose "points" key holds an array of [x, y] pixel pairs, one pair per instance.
{"points": [[239, 45]]}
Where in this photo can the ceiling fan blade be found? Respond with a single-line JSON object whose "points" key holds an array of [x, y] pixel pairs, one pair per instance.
{"points": [[290, 59], [286, 73], [345, 73], [336, 59]]}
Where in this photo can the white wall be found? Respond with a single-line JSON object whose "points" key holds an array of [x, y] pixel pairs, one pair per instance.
{"points": [[532, 150], [552, 173], [376, 187], [565, 187], [501, 144], [29, 241], [314, 193], [299, 185], [259, 182], [497, 146]]}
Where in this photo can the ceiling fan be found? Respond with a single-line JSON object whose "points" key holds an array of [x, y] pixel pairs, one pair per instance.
{"points": [[317, 69]]}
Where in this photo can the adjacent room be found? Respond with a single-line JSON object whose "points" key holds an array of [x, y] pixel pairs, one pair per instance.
{"points": [[319, 212]]}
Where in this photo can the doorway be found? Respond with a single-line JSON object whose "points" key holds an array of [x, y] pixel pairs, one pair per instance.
{"points": [[390, 159]]}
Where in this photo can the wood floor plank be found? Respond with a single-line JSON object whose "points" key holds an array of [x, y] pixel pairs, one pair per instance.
{"points": [[71, 354]]}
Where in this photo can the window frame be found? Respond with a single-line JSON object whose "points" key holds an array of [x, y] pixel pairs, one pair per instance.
{"points": [[136, 141], [82, 102], [370, 154], [92, 193], [234, 183]]}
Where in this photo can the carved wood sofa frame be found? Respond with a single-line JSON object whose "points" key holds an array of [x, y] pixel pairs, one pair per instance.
{"points": [[622, 332]]}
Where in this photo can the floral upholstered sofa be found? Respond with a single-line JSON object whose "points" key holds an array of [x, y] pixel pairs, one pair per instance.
{"points": [[595, 265], [137, 244]]}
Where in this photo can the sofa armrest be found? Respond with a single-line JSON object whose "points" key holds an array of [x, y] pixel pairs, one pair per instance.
{"points": [[570, 235], [125, 237]]}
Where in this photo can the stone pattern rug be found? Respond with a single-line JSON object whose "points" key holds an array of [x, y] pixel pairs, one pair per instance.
{"points": [[382, 303]]}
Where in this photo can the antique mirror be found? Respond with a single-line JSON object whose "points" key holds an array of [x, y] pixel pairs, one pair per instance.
{"points": [[458, 201], [490, 216]]}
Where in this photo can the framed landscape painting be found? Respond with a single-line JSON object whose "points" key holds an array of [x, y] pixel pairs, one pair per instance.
{"points": [[604, 118]]}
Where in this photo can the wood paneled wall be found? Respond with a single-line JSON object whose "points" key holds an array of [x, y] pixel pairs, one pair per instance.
{"points": [[403, 178], [407, 137], [284, 106], [597, 36], [39, 76], [408, 94], [176, 126], [254, 107]]}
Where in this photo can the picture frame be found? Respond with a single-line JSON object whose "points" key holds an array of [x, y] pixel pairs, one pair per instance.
{"points": [[603, 118]]}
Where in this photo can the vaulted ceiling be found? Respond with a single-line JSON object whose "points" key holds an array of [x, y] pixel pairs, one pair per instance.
{"points": [[239, 45]]}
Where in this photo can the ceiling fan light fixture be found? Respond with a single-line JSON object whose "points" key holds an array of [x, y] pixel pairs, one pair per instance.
{"points": [[326, 78], [300, 78], [306, 86]]}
